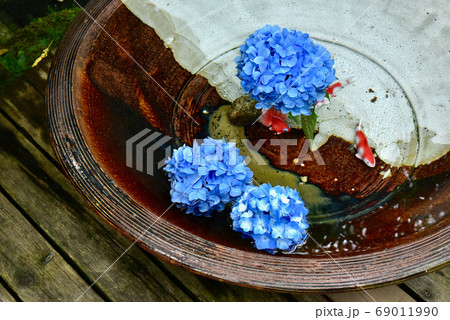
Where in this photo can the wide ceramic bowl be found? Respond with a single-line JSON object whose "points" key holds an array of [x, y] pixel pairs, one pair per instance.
{"points": [[114, 88]]}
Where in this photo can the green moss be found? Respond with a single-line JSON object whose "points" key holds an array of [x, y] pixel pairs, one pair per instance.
{"points": [[28, 43]]}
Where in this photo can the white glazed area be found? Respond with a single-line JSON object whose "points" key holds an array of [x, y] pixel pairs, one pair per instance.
{"points": [[402, 48]]}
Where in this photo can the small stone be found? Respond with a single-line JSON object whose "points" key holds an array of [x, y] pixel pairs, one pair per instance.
{"points": [[243, 111]]}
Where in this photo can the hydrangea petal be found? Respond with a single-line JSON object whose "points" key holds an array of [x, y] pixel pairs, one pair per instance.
{"points": [[205, 177], [278, 217], [294, 60]]}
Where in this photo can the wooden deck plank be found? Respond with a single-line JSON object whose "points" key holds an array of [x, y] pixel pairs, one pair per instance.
{"points": [[26, 106], [212, 290], [38, 75], [433, 287], [384, 294], [31, 267], [5, 296], [51, 201]]}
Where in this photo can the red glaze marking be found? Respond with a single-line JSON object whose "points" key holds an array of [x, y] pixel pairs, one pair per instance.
{"points": [[275, 120], [337, 86], [331, 90], [363, 149]]}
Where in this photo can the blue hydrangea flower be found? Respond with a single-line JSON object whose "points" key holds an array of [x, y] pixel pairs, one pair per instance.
{"points": [[284, 69], [275, 217], [206, 177]]}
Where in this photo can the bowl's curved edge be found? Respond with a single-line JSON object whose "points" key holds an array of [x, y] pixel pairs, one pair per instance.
{"points": [[215, 261]]}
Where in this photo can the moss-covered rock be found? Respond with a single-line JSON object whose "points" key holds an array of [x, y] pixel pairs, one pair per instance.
{"points": [[28, 43], [243, 111]]}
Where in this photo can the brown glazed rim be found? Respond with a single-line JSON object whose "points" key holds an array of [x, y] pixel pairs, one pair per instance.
{"points": [[274, 272]]}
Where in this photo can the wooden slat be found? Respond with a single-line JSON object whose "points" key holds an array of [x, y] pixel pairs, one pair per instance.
{"points": [[31, 267], [432, 287], [50, 200], [211, 290], [38, 75], [384, 294], [5, 296], [23, 103]]}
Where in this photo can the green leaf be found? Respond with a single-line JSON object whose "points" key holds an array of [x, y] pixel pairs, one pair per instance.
{"points": [[309, 124], [295, 118], [327, 95]]}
